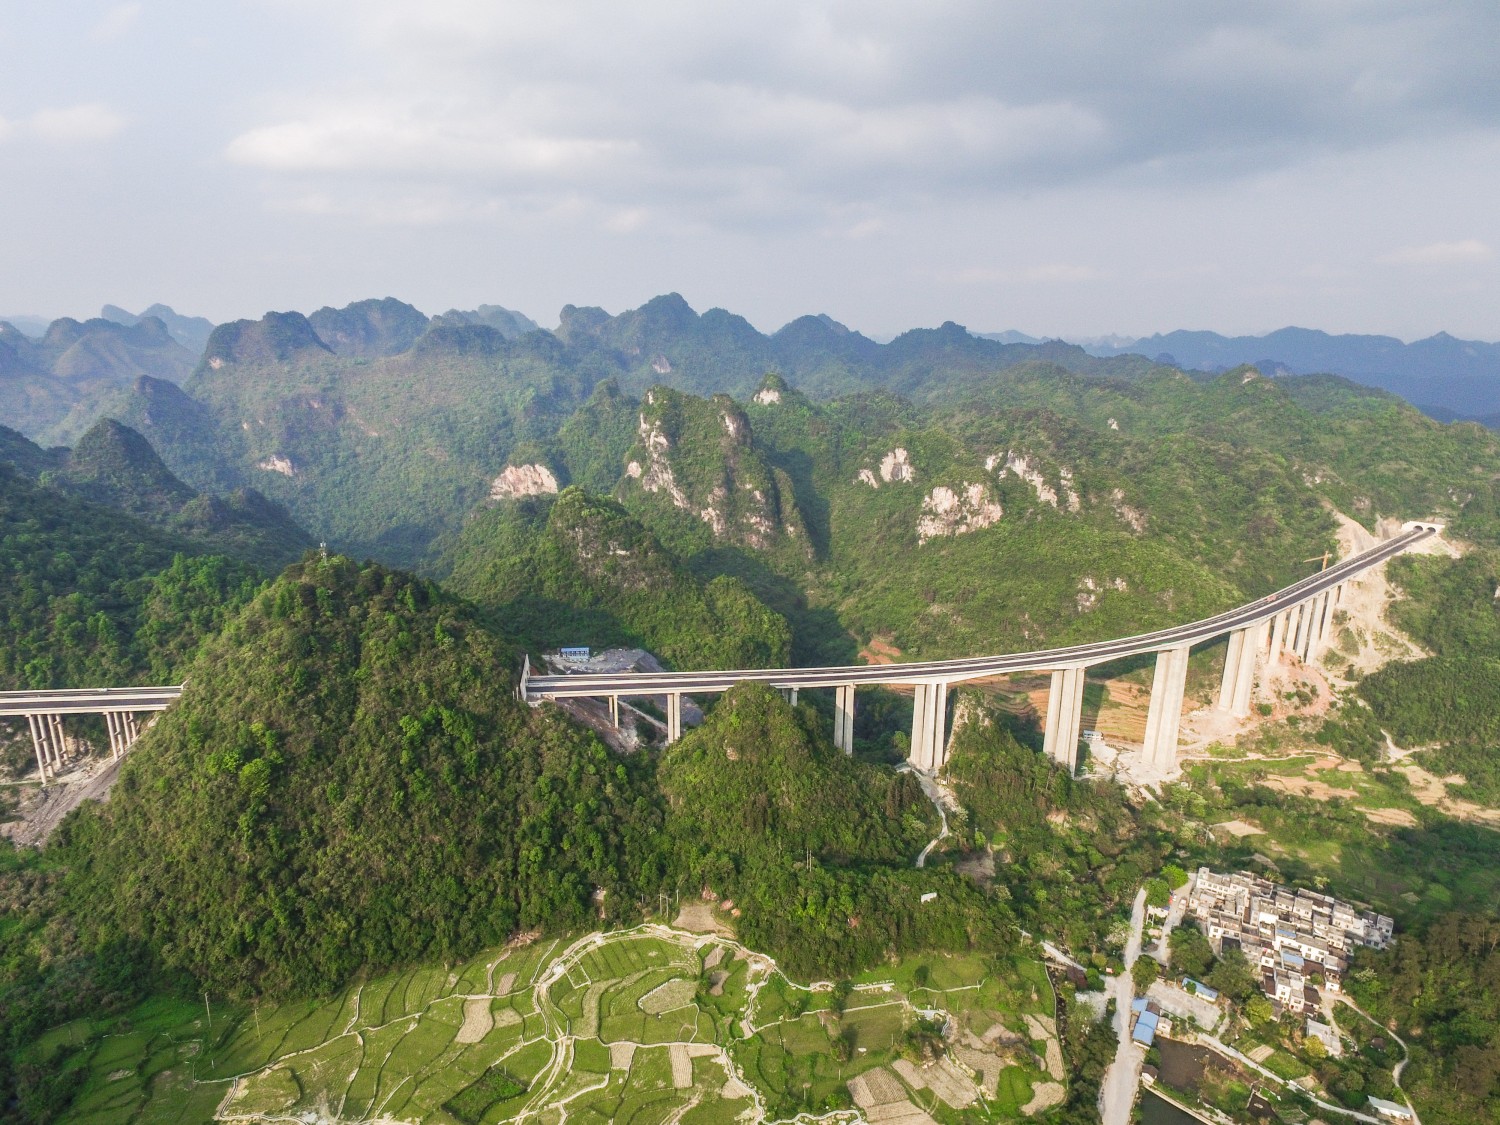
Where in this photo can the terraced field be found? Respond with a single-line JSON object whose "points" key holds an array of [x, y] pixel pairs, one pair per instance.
{"points": [[651, 1026]]}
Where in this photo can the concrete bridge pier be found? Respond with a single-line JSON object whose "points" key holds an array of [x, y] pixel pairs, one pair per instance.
{"points": [[674, 716], [48, 741], [1064, 717], [614, 711], [123, 732], [843, 718], [1164, 719], [1234, 656], [1325, 625], [1238, 682], [929, 727], [1278, 636]]}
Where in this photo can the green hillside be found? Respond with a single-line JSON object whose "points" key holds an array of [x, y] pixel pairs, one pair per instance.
{"points": [[92, 597], [580, 569], [814, 847], [349, 781]]}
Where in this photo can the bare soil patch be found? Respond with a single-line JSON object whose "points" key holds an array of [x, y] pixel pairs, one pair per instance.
{"points": [[42, 809], [1308, 787], [621, 1055], [880, 650], [1432, 791], [1239, 829], [1044, 1095], [478, 1021], [682, 1065], [698, 917], [1395, 818], [506, 982]]}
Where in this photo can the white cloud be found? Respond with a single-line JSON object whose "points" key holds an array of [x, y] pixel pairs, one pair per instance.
{"points": [[789, 112], [77, 124], [74, 124], [117, 21], [1463, 252]]}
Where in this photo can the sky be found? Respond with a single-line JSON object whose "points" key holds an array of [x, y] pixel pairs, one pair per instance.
{"points": [[1061, 167]]}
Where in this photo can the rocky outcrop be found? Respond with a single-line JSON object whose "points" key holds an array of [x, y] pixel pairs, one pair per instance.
{"points": [[699, 455], [516, 481], [894, 466], [1132, 516], [1028, 468], [957, 511]]}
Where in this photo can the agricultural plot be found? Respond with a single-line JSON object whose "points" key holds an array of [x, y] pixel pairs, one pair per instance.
{"points": [[642, 1027]]}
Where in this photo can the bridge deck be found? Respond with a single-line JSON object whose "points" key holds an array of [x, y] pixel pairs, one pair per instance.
{"points": [[976, 668], [88, 701]]}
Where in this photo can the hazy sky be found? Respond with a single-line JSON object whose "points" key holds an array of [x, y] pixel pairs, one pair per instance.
{"points": [[1058, 166]]}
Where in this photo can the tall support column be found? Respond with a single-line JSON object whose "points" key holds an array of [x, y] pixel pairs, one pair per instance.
{"points": [[1065, 717], [929, 727], [674, 716], [59, 740], [132, 732], [1165, 716], [111, 725], [39, 744], [1234, 656], [793, 700], [843, 718], [614, 711], [1309, 629], [1244, 687], [1278, 636], [938, 754], [920, 726], [1330, 600], [1070, 727], [1295, 628], [1054, 715]]}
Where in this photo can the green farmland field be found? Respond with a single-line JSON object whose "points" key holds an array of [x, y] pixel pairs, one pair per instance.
{"points": [[637, 1027]]}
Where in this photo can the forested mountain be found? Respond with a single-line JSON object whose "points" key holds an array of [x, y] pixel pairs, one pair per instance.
{"points": [[57, 384], [191, 332], [92, 597], [582, 567], [349, 782], [815, 846], [1462, 376], [115, 466]]}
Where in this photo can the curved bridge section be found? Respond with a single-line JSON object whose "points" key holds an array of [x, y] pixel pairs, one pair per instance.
{"points": [[1295, 620], [44, 712]]}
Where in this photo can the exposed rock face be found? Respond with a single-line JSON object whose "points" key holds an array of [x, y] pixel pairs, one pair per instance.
{"points": [[867, 477], [701, 456], [1090, 590], [277, 464], [656, 475], [523, 480], [1134, 517], [767, 396], [896, 465], [946, 511], [1029, 470]]}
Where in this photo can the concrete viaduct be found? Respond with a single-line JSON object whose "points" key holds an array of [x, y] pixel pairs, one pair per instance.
{"points": [[1297, 619], [44, 711]]}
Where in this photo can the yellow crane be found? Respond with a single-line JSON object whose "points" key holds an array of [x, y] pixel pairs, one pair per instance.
{"points": [[1320, 558]]}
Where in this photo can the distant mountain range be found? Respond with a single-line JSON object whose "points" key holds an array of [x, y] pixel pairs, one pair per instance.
{"points": [[67, 370], [1446, 377]]}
